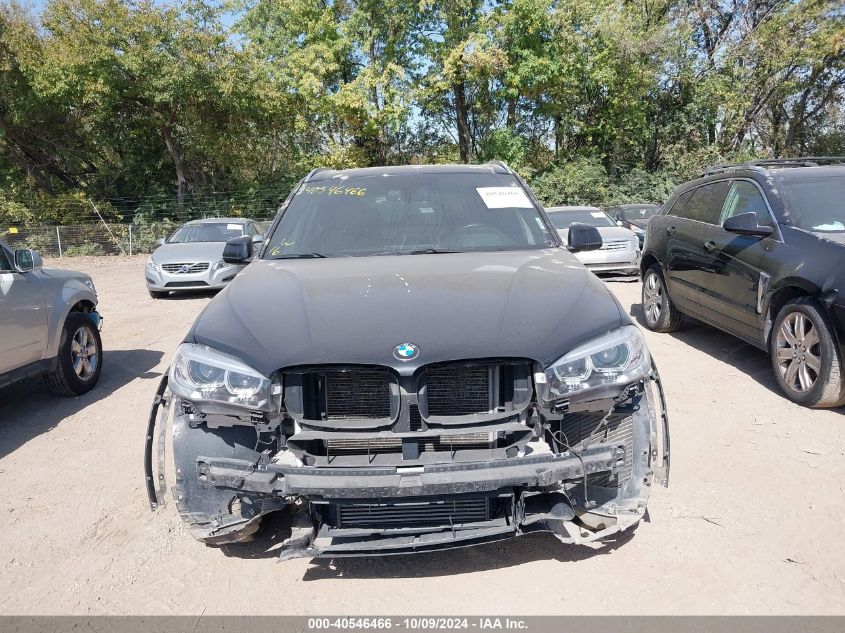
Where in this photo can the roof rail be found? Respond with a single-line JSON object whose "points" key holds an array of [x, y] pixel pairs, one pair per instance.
{"points": [[500, 163], [762, 163], [314, 172]]}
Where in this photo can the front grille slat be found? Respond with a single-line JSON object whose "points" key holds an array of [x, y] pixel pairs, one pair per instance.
{"points": [[387, 445], [357, 394], [614, 245], [458, 390], [185, 284], [413, 514], [185, 268]]}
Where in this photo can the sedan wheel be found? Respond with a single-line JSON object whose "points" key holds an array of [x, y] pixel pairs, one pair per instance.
{"points": [[84, 353], [798, 352], [805, 355], [652, 298], [659, 313]]}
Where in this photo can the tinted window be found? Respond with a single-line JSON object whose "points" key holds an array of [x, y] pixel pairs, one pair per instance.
{"points": [[562, 219], [679, 207], [4, 262], [706, 202], [640, 213], [213, 232], [744, 197], [403, 213], [816, 203]]}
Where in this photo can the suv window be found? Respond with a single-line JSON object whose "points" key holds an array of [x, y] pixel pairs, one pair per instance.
{"points": [[679, 207], [744, 197], [4, 262], [706, 202]]}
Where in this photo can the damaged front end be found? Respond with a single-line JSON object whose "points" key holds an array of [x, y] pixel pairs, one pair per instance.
{"points": [[452, 454]]}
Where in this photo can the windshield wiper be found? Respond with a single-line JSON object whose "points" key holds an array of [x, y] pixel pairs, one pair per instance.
{"points": [[419, 251], [301, 256]]}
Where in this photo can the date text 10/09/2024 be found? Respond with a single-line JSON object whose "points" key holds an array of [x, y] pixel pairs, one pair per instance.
{"points": [[418, 623]]}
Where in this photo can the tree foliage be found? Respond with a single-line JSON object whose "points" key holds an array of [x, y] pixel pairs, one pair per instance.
{"points": [[593, 100]]}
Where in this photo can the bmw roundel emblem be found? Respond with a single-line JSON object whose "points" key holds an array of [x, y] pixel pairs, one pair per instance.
{"points": [[406, 352]]}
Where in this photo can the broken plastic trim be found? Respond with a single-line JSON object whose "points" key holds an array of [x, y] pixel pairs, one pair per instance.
{"points": [[663, 470], [156, 497]]}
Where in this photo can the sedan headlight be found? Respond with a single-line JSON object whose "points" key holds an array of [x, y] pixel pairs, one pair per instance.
{"points": [[616, 358], [202, 374]]}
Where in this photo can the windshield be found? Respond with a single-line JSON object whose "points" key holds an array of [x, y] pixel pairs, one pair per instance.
{"points": [[409, 213], [639, 213], [211, 232], [816, 204], [562, 219]]}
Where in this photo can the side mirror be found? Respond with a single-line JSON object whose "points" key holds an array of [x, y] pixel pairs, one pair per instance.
{"points": [[746, 224], [238, 250], [27, 259], [583, 237], [160, 241]]}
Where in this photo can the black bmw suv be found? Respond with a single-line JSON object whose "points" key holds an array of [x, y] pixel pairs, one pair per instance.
{"points": [[757, 250], [414, 361]]}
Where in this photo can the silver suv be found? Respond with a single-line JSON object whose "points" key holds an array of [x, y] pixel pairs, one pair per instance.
{"points": [[49, 324]]}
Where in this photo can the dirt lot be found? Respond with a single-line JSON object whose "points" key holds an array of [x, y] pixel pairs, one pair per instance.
{"points": [[752, 522]]}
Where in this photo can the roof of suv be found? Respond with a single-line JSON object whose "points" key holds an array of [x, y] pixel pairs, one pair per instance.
{"points": [[401, 170]]}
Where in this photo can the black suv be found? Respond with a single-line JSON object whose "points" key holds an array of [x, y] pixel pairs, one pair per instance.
{"points": [[414, 361], [757, 250]]}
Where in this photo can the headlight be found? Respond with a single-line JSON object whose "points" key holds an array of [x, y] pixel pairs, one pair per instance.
{"points": [[218, 265], [616, 358], [151, 265], [637, 230], [202, 374]]}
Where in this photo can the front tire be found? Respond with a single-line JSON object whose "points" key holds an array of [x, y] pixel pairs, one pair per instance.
{"points": [[80, 358], [659, 314], [805, 356]]}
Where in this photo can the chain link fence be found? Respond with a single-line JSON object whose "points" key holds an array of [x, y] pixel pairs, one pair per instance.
{"points": [[77, 240], [104, 230]]}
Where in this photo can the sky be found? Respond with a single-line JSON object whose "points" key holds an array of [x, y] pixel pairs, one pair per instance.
{"points": [[37, 6]]}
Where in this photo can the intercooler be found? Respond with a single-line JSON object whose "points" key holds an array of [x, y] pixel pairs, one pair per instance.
{"points": [[358, 394], [576, 430], [459, 390], [428, 444], [439, 512]]}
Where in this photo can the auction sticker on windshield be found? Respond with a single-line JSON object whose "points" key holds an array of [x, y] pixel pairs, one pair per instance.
{"points": [[504, 197]]}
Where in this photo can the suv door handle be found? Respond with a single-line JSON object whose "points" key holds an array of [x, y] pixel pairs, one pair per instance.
{"points": [[670, 230], [710, 246]]}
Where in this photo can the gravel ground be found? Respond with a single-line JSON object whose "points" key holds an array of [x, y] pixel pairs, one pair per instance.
{"points": [[748, 525]]}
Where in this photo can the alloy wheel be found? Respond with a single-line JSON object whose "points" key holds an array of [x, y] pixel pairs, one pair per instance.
{"points": [[652, 298], [798, 352], [84, 353]]}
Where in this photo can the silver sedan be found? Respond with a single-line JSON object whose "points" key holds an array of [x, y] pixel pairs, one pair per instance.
{"points": [[192, 258], [620, 249]]}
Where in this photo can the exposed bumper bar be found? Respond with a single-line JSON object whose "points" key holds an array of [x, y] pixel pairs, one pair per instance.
{"points": [[448, 479]]}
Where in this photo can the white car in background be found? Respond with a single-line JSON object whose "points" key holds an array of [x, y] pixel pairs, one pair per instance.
{"points": [[620, 249], [192, 258]]}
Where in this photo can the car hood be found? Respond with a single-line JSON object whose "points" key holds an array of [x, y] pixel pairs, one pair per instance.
{"points": [[642, 223], [355, 310], [606, 232], [63, 274], [188, 252]]}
